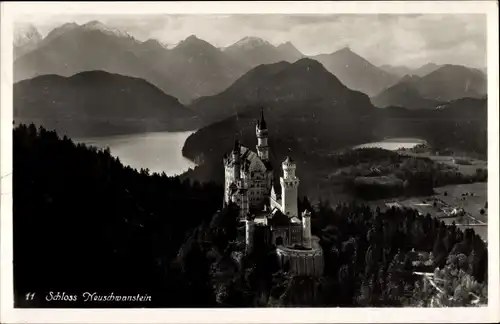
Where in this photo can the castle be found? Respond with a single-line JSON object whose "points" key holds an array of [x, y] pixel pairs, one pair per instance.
{"points": [[270, 210]]}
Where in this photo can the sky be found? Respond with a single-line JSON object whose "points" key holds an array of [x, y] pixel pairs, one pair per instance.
{"points": [[396, 39]]}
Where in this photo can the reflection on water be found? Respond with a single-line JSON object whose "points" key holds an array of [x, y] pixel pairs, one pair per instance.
{"points": [[393, 144], [158, 152]]}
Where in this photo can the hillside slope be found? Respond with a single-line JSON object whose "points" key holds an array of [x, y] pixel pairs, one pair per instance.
{"points": [[98, 103]]}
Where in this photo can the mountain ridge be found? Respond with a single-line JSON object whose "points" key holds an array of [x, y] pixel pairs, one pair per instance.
{"points": [[305, 80], [91, 103], [448, 82]]}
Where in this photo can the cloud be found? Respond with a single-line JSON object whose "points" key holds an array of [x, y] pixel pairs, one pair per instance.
{"points": [[406, 39]]}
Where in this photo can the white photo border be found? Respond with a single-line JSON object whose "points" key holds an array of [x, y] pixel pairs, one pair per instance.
{"points": [[491, 313]]}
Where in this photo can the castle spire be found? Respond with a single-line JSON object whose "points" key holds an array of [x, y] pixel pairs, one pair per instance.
{"points": [[236, 145], [261, 132], [262, 122], [236, 160]]}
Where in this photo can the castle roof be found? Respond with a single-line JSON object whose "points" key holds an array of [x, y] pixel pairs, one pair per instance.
{"points": [[249, 160], [277, 188], [232, 188], [278, 219], [236, 145], [288, 160]]}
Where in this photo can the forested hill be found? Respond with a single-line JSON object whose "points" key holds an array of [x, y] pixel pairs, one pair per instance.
{"points": [[458, 125], [295, 89], [84, 222], [96, 103]]}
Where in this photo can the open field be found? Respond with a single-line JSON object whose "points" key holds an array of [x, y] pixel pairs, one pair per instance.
{"points": [[471, 203], [470, 198]]}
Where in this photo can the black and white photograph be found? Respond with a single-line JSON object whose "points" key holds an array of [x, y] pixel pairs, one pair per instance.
{"points": [[216, 160]]}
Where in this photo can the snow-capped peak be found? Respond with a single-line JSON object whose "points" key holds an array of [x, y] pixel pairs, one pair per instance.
{"points": [[286, 44], [249, 42], [25, 34], [97, 25]]}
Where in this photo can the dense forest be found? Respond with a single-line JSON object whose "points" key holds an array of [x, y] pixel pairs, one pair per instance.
{"points": [[372, 259], [85, 222]]}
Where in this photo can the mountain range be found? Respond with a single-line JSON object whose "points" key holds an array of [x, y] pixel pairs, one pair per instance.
{"points": [[213, 84], [254, 51], [192, 69], [26, 39], [448, 82]]}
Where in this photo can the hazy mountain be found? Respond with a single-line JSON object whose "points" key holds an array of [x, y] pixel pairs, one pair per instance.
{"points": [[73, 49], [283, 83], [191, 69], [289, 52], [426, 69], [404, 94], [152, 45], [449, 82], [401, 70], [97, 25], [26, 38], [153, 52], [398, 70], [58, 31], [356, 72], [201, 68], [96, 102], [254, 51]]}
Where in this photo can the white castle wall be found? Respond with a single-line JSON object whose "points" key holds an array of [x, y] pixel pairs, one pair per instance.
{"points": [[258, 184], [303, 262]]}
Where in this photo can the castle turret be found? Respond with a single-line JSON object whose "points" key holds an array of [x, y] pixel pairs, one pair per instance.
{"points": [[261, 132], [249, 232], [306, 228], [236, 161], [289, 185]]}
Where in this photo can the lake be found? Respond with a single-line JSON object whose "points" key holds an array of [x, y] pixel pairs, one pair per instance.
{"points": [[393, 144], [159, 151]]}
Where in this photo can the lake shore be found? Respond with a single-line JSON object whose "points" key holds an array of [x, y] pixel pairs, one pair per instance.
{"points": [[156, 151], [393, 143]]}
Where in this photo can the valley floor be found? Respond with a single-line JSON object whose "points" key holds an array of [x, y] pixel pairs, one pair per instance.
{"points": [[471, 198]]}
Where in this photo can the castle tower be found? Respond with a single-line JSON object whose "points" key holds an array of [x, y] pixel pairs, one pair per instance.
{"points": [[306, 228], [249, 232], [243, 193], [236, 161], [261, 131], [289, 185]]}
